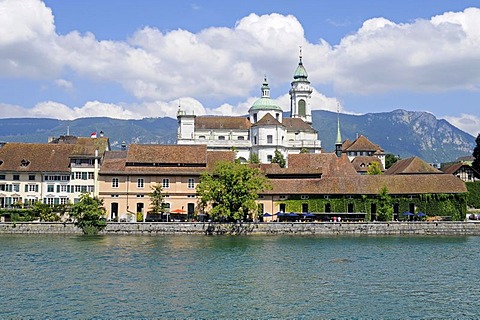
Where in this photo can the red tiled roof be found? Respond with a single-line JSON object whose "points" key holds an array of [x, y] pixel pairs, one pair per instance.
{"points": [[297, 124], [36, 157], [268, 120], [222, 122], [369, 185], [362, 144], [167, 154], [413, 165], [361, 163]]}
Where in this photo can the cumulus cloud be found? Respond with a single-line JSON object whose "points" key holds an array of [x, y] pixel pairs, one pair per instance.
{"points": [[466, 122], [225, 64]]}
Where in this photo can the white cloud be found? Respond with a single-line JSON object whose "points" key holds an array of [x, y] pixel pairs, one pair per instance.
{"points": [[466, 122], [227, 64]]}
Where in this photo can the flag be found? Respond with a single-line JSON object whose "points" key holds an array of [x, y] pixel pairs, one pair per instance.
{"points": [[93, 135]]}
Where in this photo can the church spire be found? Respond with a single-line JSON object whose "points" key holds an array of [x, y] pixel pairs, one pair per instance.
{"points": [[338, 143]]}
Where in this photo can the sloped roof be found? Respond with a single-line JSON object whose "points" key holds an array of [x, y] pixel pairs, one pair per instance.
{"points": [[267, 120], [163, 159], [413, 165], [297, 124], [221, 122], [365, 161], [167, 154], [454, 167], [87, 146], [347, 143], [370, 185], [362, 144], [36, 157], [324, 164]]}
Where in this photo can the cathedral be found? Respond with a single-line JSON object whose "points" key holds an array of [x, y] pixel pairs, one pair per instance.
{"points": [[264, 131]]}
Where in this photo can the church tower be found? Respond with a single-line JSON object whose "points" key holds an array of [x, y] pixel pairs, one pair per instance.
{"points": [[300, 94]]}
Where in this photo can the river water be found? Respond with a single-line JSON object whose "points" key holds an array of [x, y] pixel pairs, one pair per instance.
{"points": [[239, 277]]}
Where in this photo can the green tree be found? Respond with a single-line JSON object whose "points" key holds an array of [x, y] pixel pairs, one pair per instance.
{"points": [[476, 157], [385, 209], [254, 158], [390, 160], [279, 158], [157, 198], [45, 212], [89, 213], [304, 150], [374, 168], [230, 190]]}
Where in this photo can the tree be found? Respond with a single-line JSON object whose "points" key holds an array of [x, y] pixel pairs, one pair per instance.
{"points": [[279, 158], [157, 197], [304, 150], [254, 158], [385, 209], [476, 157], [390, 160], [45, 212], [374, 168], [89, 213], [230, 190]]}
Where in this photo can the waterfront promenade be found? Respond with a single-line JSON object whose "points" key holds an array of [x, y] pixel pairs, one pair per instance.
{"points": [[266, 228]]}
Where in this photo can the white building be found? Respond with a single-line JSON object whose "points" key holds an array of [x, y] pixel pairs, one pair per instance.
{"points": [[264, 131]]}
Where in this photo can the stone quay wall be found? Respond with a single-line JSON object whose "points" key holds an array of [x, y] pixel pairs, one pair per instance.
{"points": [[268, 228]]}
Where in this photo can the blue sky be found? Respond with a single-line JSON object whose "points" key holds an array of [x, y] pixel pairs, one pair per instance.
{"points": [[142, 58]]}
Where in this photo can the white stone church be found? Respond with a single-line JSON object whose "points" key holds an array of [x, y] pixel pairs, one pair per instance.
{"points": [[263, 131]]}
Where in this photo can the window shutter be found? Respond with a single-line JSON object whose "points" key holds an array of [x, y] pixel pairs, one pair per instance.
{"points": [[26, 188]]}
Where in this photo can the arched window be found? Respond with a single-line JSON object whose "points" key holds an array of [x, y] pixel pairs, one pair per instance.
{"points": [[302, 108]]}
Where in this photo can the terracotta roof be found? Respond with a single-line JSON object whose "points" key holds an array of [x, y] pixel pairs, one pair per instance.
{"points": [[221, 122], [322, 164], [297, 124], [117, 162], [167, 154], [267, 120], [36, 157], [362, 144], [87, 146], [413, 165], [370, 185], [347, 143], [361, 163], [454, 167]]}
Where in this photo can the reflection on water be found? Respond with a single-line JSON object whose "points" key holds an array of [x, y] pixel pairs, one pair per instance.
{"points": [[192, 276]]}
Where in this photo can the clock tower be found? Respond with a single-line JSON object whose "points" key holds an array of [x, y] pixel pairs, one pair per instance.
{"points": [[300, 94]]}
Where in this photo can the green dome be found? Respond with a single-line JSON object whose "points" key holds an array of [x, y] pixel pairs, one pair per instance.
{"points": [[265, 103], [300, 72]]}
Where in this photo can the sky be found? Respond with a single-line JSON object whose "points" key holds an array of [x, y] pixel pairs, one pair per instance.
{"points": [[131, 59]]}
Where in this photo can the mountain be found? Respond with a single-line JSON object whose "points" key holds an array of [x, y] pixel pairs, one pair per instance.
{"points": [[404, 133]]}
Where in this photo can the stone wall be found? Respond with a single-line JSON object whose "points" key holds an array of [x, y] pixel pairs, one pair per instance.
{"points": [[270, 228]]}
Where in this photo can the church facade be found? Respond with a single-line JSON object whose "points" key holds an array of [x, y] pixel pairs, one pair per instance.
{"points": [[264, 131]]}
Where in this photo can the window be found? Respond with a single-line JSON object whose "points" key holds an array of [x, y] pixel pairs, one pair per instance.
{"points": [[269, 158], [91, 176], [2, 177], [304, 197], [254, 139], [31, 177], [16, 177], [277, 116], [255, 117], [221, 137], [84, 175], [191, 183], [78, 175], [84, 189], [269, 139], [91, 188], [191, 196], [166, 206], [166, 183], [77, 189], [63, 200], [50, 188], [63, 188], [16, 188], [114, 182], [49, 201], [140, 195], [201, 137], [32, 188], [140, 183], [302, 108], [241, 138]]}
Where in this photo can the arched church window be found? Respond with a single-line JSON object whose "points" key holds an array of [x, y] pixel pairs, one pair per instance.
{"points": [[302, 108]]}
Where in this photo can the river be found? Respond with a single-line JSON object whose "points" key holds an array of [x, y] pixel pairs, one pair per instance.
{"points": [[233, 277]]}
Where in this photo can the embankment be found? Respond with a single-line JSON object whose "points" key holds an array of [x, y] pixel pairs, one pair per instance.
{"points": [[270, 228]]}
